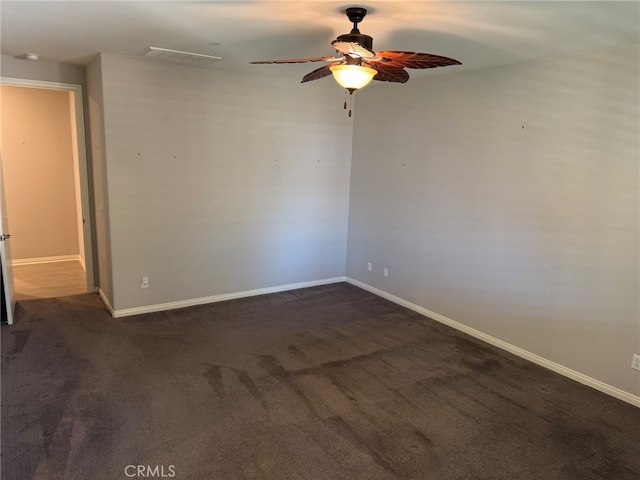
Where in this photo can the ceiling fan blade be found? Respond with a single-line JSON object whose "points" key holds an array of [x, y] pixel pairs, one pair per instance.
{"points": [[352, 48], [302, 60], [318, 73], [413, 60], [387, 73]]}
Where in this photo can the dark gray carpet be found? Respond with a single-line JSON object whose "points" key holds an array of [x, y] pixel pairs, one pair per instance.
{"points": [[321, 383]]}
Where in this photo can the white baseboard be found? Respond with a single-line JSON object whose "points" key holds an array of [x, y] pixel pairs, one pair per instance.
{"points": [[106, 302], [126, 312], [532, 357], [37, 260]]}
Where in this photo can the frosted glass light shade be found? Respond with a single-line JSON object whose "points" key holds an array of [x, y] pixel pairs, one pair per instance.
{"points": [[352, 77]]}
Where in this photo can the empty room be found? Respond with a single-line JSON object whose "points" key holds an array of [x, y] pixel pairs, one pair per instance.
{"points": [[323, 240]]}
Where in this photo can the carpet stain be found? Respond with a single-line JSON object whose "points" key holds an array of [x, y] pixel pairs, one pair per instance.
{"points": [[430, 387], [502, 398], [485, 365], [472, 347], [53, 412], [299, 354], [343, 338], [273, 367], [346, 431], [609, 468], [251, 387], [20, 340], [347, 392], [393, 367], [92, 432], [213, 374], [57, 447], [402, 398], [323, 346], [423, 438], [347, 361]]}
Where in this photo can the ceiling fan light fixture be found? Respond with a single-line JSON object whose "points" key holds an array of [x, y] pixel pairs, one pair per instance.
{"points": [[352, 77]]}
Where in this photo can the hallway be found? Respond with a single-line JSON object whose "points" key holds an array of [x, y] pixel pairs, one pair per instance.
{"points": [[48, 280]]}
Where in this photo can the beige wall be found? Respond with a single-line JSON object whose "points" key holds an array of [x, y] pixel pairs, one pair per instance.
{"points": [[217, 182], [507, 199], [37, 152], [99, 180], [43, 69]]}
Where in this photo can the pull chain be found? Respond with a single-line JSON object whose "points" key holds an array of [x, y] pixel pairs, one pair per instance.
{"points": [[344, 106]]}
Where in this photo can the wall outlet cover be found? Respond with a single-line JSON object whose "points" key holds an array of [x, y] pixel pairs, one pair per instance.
{"points": [[635, 363]]}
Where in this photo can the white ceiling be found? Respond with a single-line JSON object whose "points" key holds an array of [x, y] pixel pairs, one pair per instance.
{"points": [[478, 33]]}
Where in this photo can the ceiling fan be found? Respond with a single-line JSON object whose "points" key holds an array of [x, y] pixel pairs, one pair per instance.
{"points": [[356, 64]]}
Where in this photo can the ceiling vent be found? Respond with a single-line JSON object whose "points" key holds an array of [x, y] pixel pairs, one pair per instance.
{"points": [[187, 58]]}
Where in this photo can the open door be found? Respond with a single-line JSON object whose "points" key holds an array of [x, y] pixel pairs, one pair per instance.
{"points": [[9, 303], [83, 203]]}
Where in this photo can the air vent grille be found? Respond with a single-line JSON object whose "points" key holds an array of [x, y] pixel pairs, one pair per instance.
{"points": [[178, 56]]}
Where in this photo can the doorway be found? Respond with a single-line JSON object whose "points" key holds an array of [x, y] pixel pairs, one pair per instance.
{"points": [[46, 185]]}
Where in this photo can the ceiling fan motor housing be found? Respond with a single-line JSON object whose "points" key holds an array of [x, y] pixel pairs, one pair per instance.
{"points": [[355, 15], [356, 37]]}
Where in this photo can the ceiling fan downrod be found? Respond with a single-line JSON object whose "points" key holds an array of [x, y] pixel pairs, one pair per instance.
{"points": [[356, 15]]}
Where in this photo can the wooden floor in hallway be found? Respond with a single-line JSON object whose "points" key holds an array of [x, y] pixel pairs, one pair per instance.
{"points": [[48, 280]]}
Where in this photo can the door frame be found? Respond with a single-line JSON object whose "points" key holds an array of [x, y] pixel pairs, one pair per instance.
{"points": [[82, 162], [6, 269]]}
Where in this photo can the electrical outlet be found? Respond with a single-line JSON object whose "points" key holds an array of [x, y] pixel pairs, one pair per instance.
{"points": [[144, 283], [635, 363], [369, 266], [385, 272]]}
